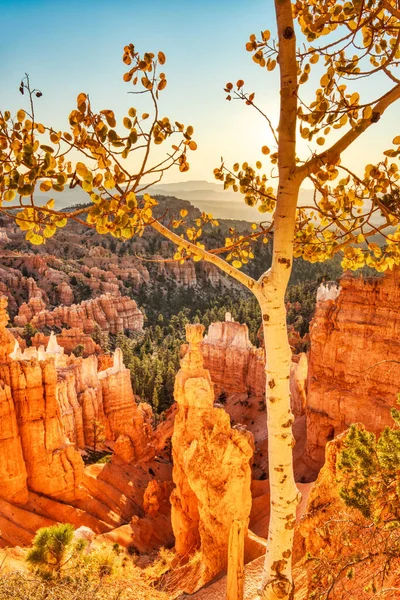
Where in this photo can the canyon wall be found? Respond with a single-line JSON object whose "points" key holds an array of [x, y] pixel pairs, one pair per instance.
{"points": [[90, 397], [354, 360], [237, 367], [237, 370]]}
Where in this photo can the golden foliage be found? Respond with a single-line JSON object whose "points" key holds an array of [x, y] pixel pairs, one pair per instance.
{"points": [[345, 211]]}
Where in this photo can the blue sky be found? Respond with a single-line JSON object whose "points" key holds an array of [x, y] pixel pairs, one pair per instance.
{"points": [[71, 47]]}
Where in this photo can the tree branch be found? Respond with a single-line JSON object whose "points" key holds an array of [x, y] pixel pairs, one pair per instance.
{"points": [[249, 282], [332, 155]]}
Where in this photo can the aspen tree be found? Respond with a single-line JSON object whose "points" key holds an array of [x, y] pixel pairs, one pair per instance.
{"points": [[342, 43]]}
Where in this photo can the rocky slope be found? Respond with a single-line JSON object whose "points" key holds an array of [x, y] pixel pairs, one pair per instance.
{"points": [[80, 264], [354, 361]]}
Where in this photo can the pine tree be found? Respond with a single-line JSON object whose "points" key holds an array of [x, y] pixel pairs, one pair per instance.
{"points": [[53, 547], [370, 468]]}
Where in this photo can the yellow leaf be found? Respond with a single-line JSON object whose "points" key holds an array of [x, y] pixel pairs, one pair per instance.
{"points": [[131, 201], [21, 115], [265, 150], [95, 198], [81, 169], [35, 239], [183, 212], [45, 186], [396, 140], [109, 183], [127, 232], [87, 186], [354, 98], [320, 141], [237, 264], [47, 148], [50, 203], [325, 79], [81, 98], [303, 78], [61, 222], [49, 231], [97, 180], [9, 195]]}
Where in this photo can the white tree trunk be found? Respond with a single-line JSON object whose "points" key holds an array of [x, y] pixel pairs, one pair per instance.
{"points": [[270, 291], [277, 576]]}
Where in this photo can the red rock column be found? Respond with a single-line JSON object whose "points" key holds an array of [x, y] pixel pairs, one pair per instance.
{"points": [[211, 471], [12, 466]]}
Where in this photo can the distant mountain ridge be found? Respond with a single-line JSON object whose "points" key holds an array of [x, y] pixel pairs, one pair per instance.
{"points": [[207, 196]]}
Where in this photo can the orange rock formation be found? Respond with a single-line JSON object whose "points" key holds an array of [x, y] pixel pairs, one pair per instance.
{"points": [[49, 404], [235, 365], [33, 425], [353, 334], [211, 469], [111, 313], [70, 340], [238, 367], [12, 466]]}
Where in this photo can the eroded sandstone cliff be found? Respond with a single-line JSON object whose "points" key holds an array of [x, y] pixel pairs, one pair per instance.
{"points": [[50, 407], [354, 361], [114, 314], [238, 367], [32, 422], [237, 370]]}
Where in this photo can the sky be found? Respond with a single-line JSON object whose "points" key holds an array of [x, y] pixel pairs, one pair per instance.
{"points": [[71, 47]]}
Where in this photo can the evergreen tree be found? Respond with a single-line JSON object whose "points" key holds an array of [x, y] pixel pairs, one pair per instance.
{"points": [[101, 338], [53, 547]]}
